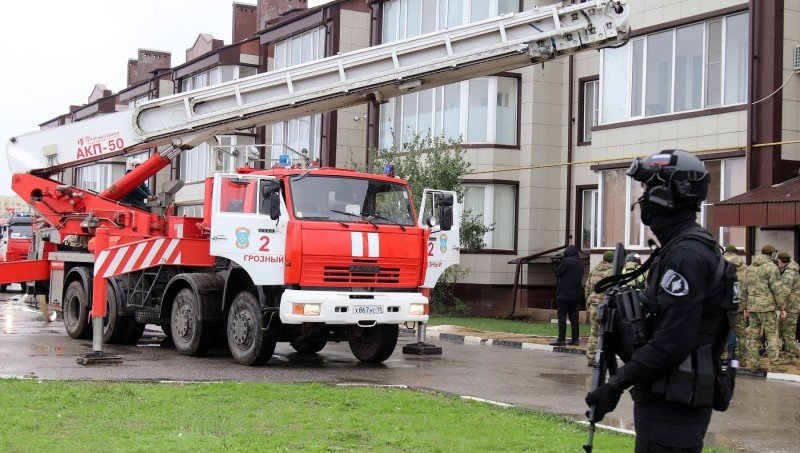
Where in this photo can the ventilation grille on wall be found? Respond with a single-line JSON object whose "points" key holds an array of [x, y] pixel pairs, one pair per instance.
{"points": [[797, 58]]}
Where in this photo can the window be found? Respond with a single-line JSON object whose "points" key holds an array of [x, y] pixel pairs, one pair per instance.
{"points": [[688, 68], [587, 116], [294, 136], [408, 18], [239, 195], [135, 101], [617, 222], [192, 210], [95, 177], [459, 109], [495, 205], [302, 48], [195, 163], [589, 218], [351, 200], [234, 151], [216, 76]]}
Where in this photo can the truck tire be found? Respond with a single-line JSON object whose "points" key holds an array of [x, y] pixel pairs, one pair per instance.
{"points": [[375, 344], [192, 336], [76, 311], [135, 332], [309, 345], [250, 341], [3, 288], [115, 327]]}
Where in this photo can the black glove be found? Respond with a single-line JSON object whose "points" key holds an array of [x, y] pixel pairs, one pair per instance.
{"points": [[604, 398]]}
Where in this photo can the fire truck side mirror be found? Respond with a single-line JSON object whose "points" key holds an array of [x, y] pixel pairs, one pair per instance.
{"points": [[271, 196], [275, 205], [446, 212]]}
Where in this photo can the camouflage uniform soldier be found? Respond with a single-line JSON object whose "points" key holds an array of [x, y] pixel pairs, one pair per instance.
{"points": [[602, 270], [790, 293], [632, 263], [732, 256], [762, 285]]}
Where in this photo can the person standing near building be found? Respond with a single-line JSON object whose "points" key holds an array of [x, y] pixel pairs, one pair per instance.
{"points": [[593, 299], [632, 263], [732, 256], [759, 296], [790, 292], [568, 295], [688, 323]]}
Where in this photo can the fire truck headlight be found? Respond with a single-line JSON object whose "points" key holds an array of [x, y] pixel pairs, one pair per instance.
{"points": [[306, 309], [418, 309]]}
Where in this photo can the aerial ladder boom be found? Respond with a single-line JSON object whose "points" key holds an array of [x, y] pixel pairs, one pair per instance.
{"points": [[373, 74]]}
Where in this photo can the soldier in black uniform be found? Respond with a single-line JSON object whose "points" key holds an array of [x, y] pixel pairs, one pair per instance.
{"points": [[685, 298]]}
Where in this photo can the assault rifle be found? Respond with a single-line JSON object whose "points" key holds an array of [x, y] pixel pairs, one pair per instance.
{"points": [[605, 358]]}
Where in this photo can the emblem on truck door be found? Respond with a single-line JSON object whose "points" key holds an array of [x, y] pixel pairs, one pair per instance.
{"points": [[443, 243], [242, 237]]}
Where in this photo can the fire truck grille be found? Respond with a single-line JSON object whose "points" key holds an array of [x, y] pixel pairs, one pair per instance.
{"points": [[342, 274]]}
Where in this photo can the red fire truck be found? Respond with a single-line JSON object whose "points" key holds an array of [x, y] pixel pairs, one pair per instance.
{"points": [[16, 238], [304, 256]]}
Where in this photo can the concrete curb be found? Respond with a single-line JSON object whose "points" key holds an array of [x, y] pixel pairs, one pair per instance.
{"points": [[471, 340]]}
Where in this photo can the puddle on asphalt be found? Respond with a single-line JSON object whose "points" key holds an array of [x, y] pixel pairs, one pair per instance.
{"points": [[8, 313]]}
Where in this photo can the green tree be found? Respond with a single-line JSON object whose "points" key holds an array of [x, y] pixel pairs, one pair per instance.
{"points": [[432, 161]]}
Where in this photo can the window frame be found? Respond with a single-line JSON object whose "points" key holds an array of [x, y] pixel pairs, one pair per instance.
{"points": [[437, 120], [723, 18], [440, 7], [486, 183], [186, 83], [582, 126], [645, 232]]}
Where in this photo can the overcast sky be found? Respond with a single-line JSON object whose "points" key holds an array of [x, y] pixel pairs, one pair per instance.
{"points": [[53, 52]]}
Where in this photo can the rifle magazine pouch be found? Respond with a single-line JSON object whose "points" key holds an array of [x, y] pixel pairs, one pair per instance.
{"points": [[631, 323], [692, 383]]}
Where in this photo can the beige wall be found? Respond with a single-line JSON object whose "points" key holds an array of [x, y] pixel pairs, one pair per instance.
{"points": [[791, 92], [351, 133]]}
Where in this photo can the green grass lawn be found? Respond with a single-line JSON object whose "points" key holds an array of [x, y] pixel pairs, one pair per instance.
{"points": [[82, 416], [542, 329]]}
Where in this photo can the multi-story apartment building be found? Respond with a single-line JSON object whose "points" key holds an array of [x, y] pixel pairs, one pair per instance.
{"points": [[548, 144]]}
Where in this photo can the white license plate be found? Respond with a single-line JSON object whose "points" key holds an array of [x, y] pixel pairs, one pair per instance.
{"points": [[368, 309]]}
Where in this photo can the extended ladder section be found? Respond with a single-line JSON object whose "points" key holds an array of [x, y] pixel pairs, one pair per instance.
{"points": [[372, 74]]}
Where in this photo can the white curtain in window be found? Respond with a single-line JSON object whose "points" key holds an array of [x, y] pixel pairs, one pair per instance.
{"points": [[477, 113], [658, 78], [506, 117], [614, 79], [714, 63], [736, 62], [688, 67], [504, 213]]}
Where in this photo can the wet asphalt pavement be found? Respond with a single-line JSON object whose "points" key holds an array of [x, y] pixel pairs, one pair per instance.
{"points": [[765, 415]]}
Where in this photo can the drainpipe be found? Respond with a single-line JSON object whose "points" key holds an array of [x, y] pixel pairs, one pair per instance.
{"points": [[750, 236], [570, 96]]}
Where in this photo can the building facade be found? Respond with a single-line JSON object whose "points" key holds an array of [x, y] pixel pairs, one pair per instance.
{"points": [[548, 144]]}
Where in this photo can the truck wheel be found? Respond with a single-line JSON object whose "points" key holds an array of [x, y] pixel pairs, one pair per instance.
{"points": [[375, 344], [3, 288], [135, 332], [115, 327], [191, 336], [76, 311], [248, 339], [308, 345]]}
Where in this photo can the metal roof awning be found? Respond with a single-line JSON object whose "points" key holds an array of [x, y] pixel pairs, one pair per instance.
{"points": [[773, 206]]}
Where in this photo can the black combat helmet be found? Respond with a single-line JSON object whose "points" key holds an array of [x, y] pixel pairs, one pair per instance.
{"points": [[673, 178]]}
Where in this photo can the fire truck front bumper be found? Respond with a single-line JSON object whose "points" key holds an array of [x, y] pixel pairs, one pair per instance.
{"points": [[364, 309]]}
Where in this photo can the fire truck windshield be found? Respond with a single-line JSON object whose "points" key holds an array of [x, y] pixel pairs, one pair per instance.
{"points": [[342, 199], [21, 231]]}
